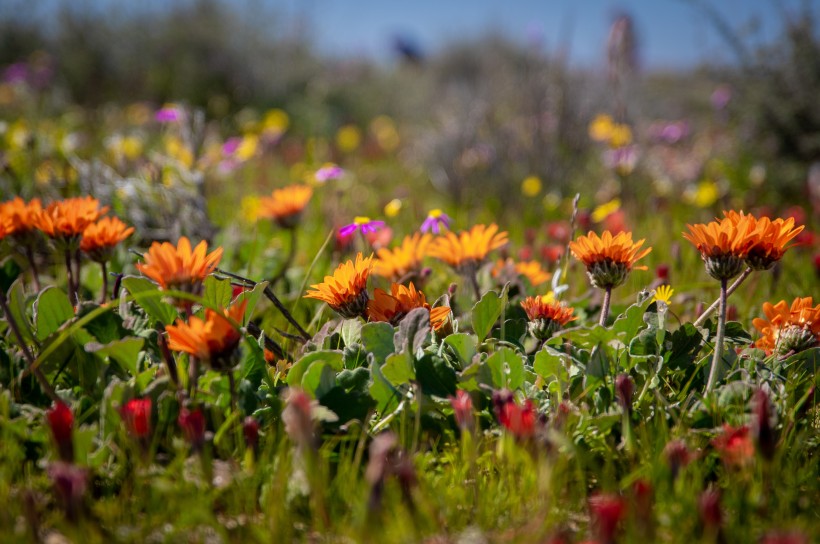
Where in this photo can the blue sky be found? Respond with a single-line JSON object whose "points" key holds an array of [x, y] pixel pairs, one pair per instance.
{"points": [[672, 33]]}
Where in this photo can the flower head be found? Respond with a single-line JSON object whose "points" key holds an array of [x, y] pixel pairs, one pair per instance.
{"points": [[136, 414], [768, 240], [212, 340], [520, 420], [436, 221], [467, 250], [723, 244], [169, 113], [100, 238], [394, 306], [545, 316], [285, 205], [607, 511], [364, 224], [61, 422], [789, 329], [735, 445], [663, 294], [192, 423], [345, 291], [19, 218], [403, 262], [608, 259], [179, 267], [328, 172], [462, 405], [65, 220]]}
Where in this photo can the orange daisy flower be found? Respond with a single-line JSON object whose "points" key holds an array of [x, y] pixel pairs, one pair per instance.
{"points": [[531, 270], [723, 244], [212, 340], [768, 240], [404, 261], [467, 250], [18, 217], [285, 205], [545, 316], [100, 238], [608, 259], [346, 290], [179, 267], [789, 329], [65, 220]]}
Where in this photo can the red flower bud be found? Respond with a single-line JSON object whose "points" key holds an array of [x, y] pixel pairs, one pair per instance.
{"points": [[677, 456], [462, 405], [762, 424], [136, 414], [192, 423], [519, 420], [250, 428], [709, 508], [61, 423], [735, 445], [624, 388], [662, 273], [606, 511]]}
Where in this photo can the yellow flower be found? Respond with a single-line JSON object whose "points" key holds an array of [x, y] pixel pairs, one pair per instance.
{"points": [[600, 129], [386, 134], [348, 138], [620, 136], [346, 290], [404, 261], [531, 186], [467, 250], [247, 147], [605, 210], [703, 195], [392, 208], [664, 294], [275, 122]]}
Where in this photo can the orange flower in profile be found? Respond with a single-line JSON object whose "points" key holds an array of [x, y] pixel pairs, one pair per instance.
{"points": [[723, 244], [608, 259], [768, 240], [467, 250], [346, 290], [531, 270], [179, 267], [403, 263], [392, 307], [100, 238], [789, 329], [65, 220], [545, 316], [285, 205], [18, 217], [212, 340]]}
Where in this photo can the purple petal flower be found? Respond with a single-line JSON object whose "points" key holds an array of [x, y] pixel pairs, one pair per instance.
{"points": [[168, 114], [347, 230], [230, 146], [328, 172], [436, 220]]}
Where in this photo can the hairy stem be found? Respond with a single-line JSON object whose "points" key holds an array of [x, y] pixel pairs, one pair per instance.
{"points": [[721, 331], [605, 307], [72, 294], [732, 288], [104, 293], [32, 262]]}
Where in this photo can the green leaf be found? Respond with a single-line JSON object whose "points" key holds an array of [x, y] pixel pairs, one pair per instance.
{"points": [[398, 369], [151, 299], [9, 271], [105, 327], [252, 296], [598, 364], [629, 322], [487, 311], [413, 331], [736, 334], [465, 345], [475, 375], [377, 339], [17, 307], [507, 367], [382, 391], [435, 376], [351, 331], [51, 310], [686, 344], [217, 292], [253, 364], [549, 365], [125, 351], [319, 379], [332, 358]]}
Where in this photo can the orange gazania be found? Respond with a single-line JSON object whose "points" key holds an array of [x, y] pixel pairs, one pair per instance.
{"points": [[212, 340], [20, 217], [608, 259], [404, 261], [101, 237], [723, 244], [346, 290], [789, 328], [179, 267], [546, 316], [392, 307], [531, 270], [66, 220], [467, 250], [285, 205], [768, 239]]}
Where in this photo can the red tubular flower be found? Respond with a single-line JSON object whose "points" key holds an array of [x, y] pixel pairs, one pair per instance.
{"points": [[735, 445], [677, 456], [519, 420], [624, 388], [192, 423], [136, 414], [606, 511], [462, 405], [250, 428], [762, 424], [710, 512], [61, 422]]}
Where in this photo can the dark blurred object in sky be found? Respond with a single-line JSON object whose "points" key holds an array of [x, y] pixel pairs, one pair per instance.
{"points": [[407, 49]]}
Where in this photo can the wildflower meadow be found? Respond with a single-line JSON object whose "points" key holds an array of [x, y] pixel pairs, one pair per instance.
{"points": [[333, 321]]}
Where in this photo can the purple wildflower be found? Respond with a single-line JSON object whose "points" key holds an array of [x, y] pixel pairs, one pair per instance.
{"points": [[168, 114], [436, 220], [231, 145], [361, 223], [328, 172]]}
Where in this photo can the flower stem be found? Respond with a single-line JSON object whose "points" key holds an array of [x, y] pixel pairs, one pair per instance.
{"points": [[72, 295], [732, 288], [474, 283], [104, 293], [605, 307], [721, 331], [26, 352], [35, 273]]}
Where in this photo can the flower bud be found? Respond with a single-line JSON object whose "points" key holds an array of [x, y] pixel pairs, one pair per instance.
{"points": [[192, 423], [61, 423], [625, 388]]}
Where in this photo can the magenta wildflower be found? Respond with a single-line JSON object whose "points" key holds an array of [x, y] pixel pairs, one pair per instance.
{"points": [[231, 145], [168, 114], [364, 224], [436, 220], [328, 172]]}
